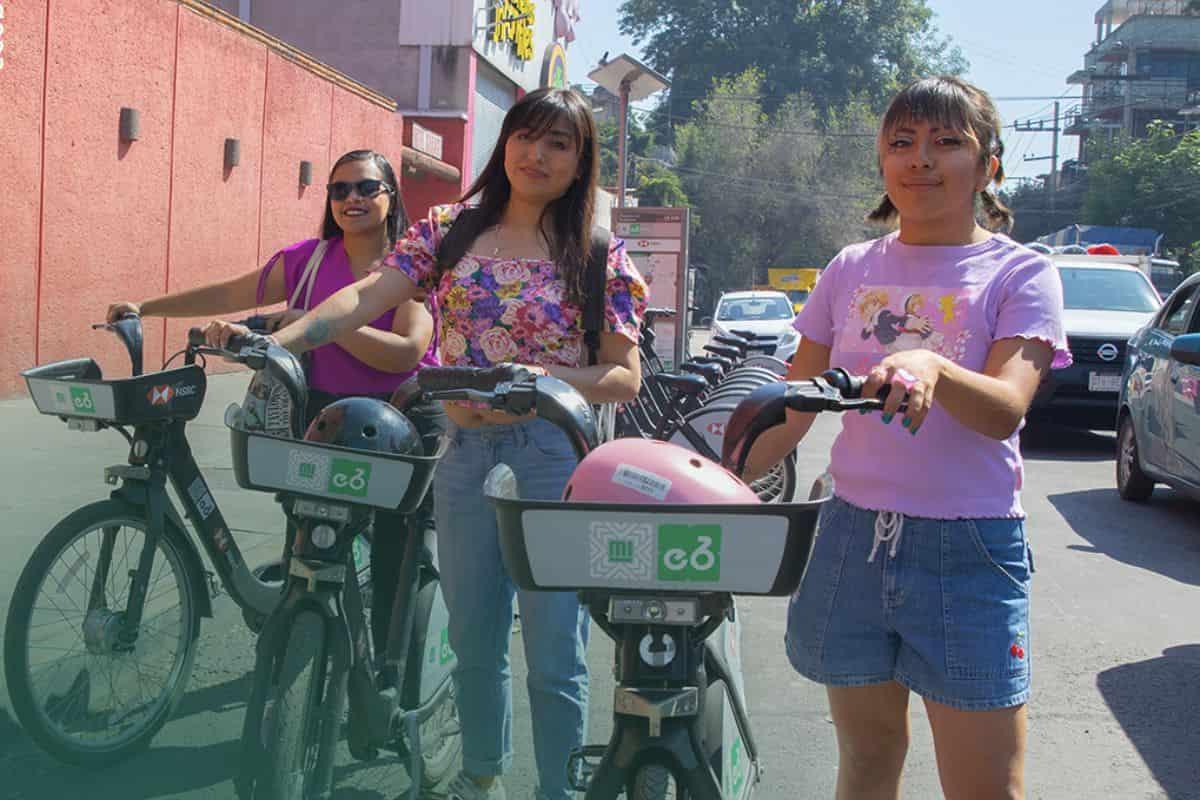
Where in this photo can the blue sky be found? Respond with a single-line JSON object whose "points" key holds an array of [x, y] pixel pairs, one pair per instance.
{"points": [[1016, 48]]}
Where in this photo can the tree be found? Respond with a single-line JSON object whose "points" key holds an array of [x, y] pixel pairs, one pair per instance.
{"points": [[788, 188], [1150, 183], [659, 186], [834, 52]]}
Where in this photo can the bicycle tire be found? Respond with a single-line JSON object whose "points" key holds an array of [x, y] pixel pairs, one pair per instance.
{"points": [[778, 485], [296, 710], [34, 715], [653, 782]]}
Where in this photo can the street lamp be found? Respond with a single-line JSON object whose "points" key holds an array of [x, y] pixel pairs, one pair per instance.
{"points": [[630, 80]]}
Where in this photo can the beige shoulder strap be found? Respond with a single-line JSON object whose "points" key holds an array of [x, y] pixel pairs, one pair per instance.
{"points": [[308, 278]]}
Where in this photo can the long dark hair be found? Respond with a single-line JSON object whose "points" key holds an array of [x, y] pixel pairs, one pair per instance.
{"points": [[953, 103], [397, 217], [571, 215]]}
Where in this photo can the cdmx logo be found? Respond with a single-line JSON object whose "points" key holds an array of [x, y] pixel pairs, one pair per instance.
{"points": [[640, 551]]}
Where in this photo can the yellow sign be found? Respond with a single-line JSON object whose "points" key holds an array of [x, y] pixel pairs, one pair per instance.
{"points": [[554, 67], [513, 22]]}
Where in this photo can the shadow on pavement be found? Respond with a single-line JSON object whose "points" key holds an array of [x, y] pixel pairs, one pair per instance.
{"points": [[1156, 702], [1161, 536], [1042, 441]]}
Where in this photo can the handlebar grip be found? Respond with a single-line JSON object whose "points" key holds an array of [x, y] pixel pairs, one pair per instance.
{"points": [[481, 379], [851, 386], [256, 323], [195, 337]]}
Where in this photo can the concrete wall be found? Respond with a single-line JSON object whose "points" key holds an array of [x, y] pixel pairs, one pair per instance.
{"points": [[89, 219]]}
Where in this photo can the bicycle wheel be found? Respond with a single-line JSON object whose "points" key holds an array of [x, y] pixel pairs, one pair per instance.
{"points": [[778, 485], [81, 693], [653, 782], [293, 744], [441, 742]]}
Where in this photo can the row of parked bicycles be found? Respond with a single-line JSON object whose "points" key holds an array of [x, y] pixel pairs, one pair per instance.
{"points": [[104, 623]]}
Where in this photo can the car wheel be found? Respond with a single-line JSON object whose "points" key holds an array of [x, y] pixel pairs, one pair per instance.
{"points": [[1132, 483]]}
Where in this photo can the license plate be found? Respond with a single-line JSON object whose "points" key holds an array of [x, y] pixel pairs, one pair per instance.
{"points": [[1104, 382]]}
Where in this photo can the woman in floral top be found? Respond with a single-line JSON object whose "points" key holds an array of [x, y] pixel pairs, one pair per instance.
{"points": [[516, 296]]}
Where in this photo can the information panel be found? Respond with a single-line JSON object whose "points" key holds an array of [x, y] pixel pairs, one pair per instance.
{"points": [[657, 241]]}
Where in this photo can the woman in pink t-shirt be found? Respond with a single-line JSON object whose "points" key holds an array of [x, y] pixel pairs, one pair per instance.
{"points": [[919, 580]]}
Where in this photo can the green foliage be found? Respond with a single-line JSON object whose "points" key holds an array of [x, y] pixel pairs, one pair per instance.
{"points": [[835, 52], [1149, 183], [788, 188]]}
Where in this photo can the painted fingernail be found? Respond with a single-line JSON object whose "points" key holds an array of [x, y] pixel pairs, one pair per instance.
{"points": [[862, 411], [906, 421], [887, 418], [913, 431]]}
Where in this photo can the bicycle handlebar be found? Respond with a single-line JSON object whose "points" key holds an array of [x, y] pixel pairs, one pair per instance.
{"points": [[514, 390]]}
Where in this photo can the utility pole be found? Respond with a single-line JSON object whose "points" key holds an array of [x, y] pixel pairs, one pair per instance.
{"points": [[1052, 184]]}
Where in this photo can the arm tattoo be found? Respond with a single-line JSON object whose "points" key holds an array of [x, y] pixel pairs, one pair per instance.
{"points": [[317, 333]]}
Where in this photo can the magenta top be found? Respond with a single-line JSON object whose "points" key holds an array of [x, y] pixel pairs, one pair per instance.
{"points": [[332, 368], [885, 296]]}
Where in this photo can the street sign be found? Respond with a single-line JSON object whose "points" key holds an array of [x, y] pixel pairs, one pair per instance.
{"points": [[657, 242]]}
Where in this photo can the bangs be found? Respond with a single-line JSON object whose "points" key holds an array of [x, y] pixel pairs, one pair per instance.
{"points": [[934, 102], [540, 116]]}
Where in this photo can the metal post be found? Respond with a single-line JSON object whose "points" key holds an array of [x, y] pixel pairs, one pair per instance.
{"points": [[1054, 162], [621, 137]]}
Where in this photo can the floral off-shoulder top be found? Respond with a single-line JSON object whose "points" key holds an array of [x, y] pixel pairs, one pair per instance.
{"points": [[495, 310]]}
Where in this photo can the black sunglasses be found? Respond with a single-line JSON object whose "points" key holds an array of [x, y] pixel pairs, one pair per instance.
{"points": [[340, 190]]}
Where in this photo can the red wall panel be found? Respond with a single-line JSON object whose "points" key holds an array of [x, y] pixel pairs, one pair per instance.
{"points": [[106, 208], [297, 126], [358, 125], [422, 191], [21, 87], [220, 79]]}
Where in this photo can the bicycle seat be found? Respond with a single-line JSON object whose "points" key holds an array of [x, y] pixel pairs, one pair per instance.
{"points": [[731, 341], [710, 372], [749, 336], [725, 363], [686, 385], [723, 351]]}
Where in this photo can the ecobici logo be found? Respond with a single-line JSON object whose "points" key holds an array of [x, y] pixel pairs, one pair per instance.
{"points": [[317, 472], [81, 400], [629, 551], [689, 553]]}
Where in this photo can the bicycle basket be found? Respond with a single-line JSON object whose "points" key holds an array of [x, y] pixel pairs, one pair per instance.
{"points": [[76, 389], [755, 549], [268, 463]]}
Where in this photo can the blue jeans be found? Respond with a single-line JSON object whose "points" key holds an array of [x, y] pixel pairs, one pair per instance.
{"points": [[479, 595], [940, 606]]}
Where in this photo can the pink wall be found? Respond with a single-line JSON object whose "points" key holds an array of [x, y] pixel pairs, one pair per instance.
{"points": [[128, 221], [214, 211], [22, 87]]}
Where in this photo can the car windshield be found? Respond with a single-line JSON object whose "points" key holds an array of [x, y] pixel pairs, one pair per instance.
{"points": [[1106, 290], [754, 308]]}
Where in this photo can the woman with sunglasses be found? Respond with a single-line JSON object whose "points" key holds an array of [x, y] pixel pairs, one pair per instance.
{"points": [[516, 295], [363, 215]]}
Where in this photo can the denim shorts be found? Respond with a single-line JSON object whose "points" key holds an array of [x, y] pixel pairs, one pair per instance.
{"points": [[940, 606]]}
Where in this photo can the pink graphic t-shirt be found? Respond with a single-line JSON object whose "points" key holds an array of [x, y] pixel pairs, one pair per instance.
{"points": [[884, 296]]}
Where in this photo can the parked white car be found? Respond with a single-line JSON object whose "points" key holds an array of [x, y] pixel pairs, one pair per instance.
{"points": [[768, 315]]}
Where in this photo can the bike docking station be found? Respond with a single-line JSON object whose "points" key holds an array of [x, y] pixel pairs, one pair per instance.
{"points": [[660, 580]]}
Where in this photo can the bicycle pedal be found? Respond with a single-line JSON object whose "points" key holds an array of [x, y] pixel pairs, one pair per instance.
{"points": [[582, 765]]}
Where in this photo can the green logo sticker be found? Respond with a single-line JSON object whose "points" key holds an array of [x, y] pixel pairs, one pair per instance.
{"points": [[620, 552], [307, 471], [445, 654], [81, 400], [689, 553], [349, 477]]}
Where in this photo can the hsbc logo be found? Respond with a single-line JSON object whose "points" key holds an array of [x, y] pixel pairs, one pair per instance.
{"points": [[183, 390], [716, 428], [160, 395]]}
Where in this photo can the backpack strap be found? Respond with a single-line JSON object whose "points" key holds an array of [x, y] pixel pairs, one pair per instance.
{"points": [[595, 284], [456, 240]]}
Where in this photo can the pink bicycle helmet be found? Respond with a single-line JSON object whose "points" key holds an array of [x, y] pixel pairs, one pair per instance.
{"points": [[645, 471]]}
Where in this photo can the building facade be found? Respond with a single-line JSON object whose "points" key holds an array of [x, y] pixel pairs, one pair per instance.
{"points": [[454, 66], [1144, 65]]}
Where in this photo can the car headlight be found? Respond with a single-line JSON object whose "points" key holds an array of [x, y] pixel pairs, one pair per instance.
{"points": [[788, 336]]}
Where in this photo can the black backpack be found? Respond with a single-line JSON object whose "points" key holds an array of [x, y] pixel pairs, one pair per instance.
{"points": [[461, 235]]}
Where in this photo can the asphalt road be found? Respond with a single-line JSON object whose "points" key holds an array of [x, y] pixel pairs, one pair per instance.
{"points": [[1115, 639]]}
